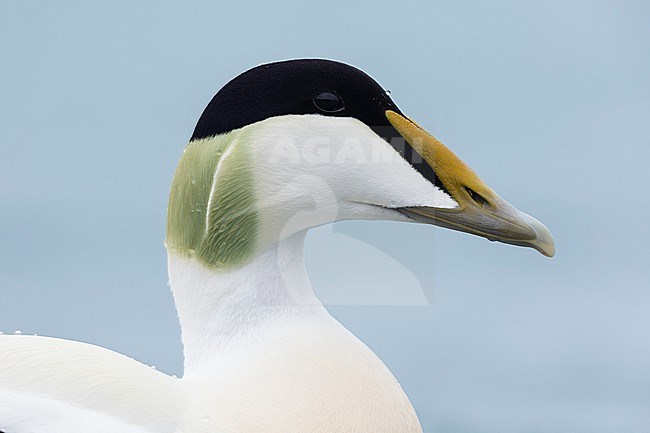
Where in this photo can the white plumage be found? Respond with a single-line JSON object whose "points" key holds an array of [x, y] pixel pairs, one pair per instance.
{"points": [[261, 352]]}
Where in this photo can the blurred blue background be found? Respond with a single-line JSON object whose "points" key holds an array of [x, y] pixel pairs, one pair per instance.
{"points": [[548, 101]]}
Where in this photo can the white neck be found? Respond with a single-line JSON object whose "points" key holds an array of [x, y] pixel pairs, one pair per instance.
{"points": [[219, 308], [257, 337]]}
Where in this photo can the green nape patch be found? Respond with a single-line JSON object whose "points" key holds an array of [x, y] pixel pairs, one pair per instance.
{"points": [[211, 213]]}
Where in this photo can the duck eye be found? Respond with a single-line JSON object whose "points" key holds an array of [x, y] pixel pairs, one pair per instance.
{"points": [[329, 102]]}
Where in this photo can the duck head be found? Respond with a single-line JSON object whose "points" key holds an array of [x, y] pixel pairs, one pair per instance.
{"points": [[292, 145]]}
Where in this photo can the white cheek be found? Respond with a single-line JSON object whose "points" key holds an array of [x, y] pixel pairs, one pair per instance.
{"points": [[390, 181], [314, 169]]}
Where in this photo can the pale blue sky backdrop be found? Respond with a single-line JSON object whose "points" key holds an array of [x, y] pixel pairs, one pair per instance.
{"points": [[549, 101]]}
